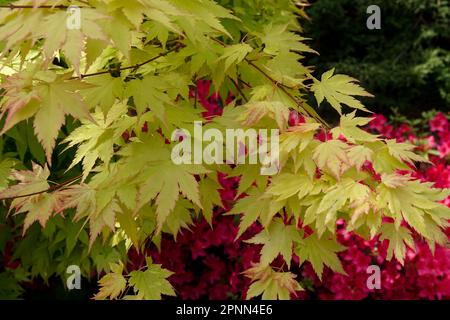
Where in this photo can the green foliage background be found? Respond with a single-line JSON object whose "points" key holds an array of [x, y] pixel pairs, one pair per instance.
{"points": [[406, 64]]}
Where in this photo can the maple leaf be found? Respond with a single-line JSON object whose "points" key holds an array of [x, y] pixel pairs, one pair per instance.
{"points": [[112, 284], [255, 111], [207, 13], [235, 54], [277, 239], [129, 224], [165, 183], [149, 93], [39, 208], [298, 137], [382, 159], [255, 205], [151, 283], [346, 195], [249, 175], [29, 196], [337, 195], [103, 218], [272, 285], [103, 91], [287, 185], [209, 197], [96, 139], [277, 38], [95, 202], [6, 166], [55, 95], [20, 100], [81, 197], [39, 25], [320, 252], [397, 237], [71, 41], [338, 89], [403, 152], [332, 155], [180, 217], [29, 182], [358, 155], [416, 203], [349, 128], [140, 58]]}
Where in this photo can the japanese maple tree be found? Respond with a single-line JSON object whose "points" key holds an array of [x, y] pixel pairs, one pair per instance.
{"points": [[111, 92]]}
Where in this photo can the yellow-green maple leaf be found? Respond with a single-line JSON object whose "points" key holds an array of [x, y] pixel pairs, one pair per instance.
{"points": [[338, 89], [256, 205], [165, 183], [349, 128], [332, 155], [320, 252], [271, 284], [397, 237], [112, 284], [209, 197], [277, 239], [151, 283]]}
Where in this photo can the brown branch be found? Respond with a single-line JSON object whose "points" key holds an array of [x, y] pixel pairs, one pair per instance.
{"points": [[14, 6], [238, 88], [45, 6], [135, 66], [278, 84], [51, 189], [283, 88]]}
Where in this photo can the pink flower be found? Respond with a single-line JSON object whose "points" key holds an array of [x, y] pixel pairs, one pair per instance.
{"points": [[439, 123], [431, 141], [323, 136], [378, 122], [444, 149]]}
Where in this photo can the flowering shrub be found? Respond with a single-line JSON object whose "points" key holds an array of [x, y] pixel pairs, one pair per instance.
{"points": [[208, 262]]}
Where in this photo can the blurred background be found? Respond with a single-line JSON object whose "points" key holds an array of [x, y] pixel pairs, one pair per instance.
{"points": [[406, 64]]}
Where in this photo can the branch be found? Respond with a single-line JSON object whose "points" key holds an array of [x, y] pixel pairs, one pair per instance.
{"points": [[135, 67], [238, 88], [51, 189], [283, 88], [59, 6]]}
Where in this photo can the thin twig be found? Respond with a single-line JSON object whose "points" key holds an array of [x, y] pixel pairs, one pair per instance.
{"points": [[51, 189], [238, 89], [283, 88], [18, 6], [279, 85], [135, 66]]}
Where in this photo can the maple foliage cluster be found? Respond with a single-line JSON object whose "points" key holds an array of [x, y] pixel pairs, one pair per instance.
{"points": [[209, 263], [102, 179]]}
